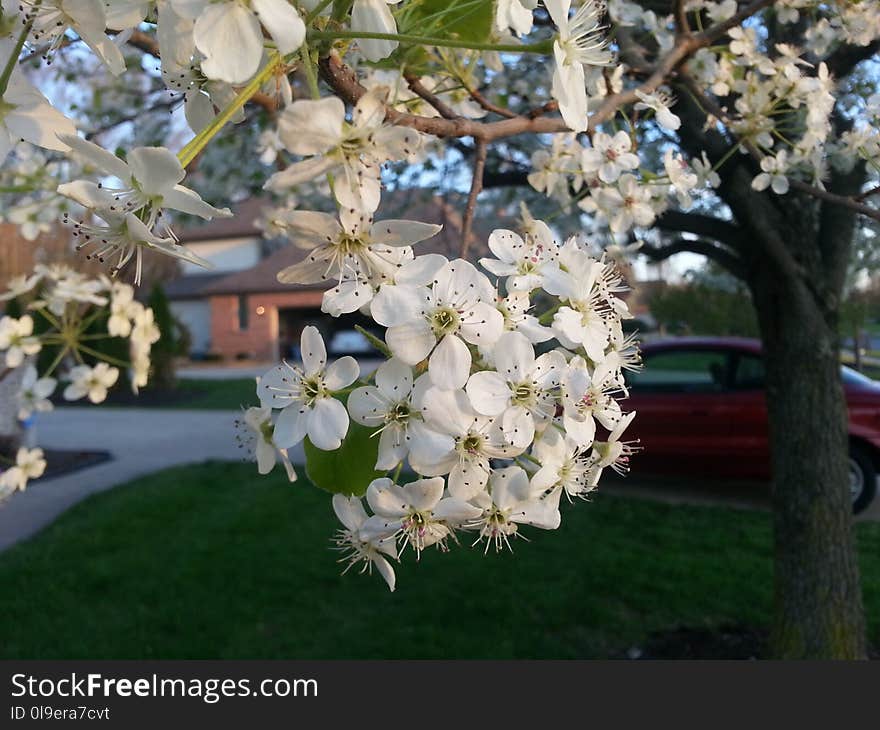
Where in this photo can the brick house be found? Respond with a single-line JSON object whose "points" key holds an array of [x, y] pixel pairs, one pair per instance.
{"points": [[239, 310]]}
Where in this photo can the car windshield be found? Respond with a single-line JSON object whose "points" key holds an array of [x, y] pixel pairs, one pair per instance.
{"points": [[854, 377]]}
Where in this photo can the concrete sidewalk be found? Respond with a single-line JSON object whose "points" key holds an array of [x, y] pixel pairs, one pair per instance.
{"points": [[141, 441]]}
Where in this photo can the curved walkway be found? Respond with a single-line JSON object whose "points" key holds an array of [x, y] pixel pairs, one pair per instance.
{"points": [[141, 441]]}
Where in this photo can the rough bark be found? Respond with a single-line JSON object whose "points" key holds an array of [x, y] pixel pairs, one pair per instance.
{"points": [[817, 591], [794, 251]]}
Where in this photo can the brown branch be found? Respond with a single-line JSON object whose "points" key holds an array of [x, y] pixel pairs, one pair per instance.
{"points": [[710, 35], [478, 97], [868, 193], [733, 263], [704, 226], [480, 150], [682, 27], [435, 101]]}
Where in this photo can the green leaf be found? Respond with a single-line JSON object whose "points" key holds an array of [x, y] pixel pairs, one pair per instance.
{"points": [[348, 470], [469, 20]]}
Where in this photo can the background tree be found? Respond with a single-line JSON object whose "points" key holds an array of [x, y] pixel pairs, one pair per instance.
{"points": [[172, 344]]}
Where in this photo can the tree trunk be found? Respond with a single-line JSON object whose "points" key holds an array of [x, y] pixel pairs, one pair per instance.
{"points": [[817, 591]]}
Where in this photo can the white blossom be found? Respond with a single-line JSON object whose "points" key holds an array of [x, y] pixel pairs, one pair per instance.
{"points": [[29, 464], [305, 396], [580, 42], [17, 339], [438, 322]]}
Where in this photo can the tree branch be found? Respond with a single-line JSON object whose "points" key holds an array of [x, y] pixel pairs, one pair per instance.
{"points": [[705, 226], [476, 187], [344, 82], [419, 89], [724, 258]]}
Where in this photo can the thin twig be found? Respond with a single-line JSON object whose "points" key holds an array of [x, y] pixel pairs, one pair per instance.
{"points": [[682, 27], [480, 150], [344, 82], [868, 193], [501, 111], [435, 101]]}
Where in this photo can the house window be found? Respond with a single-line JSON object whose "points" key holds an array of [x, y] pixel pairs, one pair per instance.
{"points": [[243, 313]]}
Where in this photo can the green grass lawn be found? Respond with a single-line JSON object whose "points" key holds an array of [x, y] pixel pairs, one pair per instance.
{"points": [[214, 562], [215, 394], [200, 394]]}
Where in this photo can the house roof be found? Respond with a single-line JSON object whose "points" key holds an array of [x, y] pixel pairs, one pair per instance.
{"points": [[262, 278], [243, 224], [191, 286]]}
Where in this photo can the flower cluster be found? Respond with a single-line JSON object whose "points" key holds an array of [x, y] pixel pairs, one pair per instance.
{"points": [[63, 342], [496, 412]]}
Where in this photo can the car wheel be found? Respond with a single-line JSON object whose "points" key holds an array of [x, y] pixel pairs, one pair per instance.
{"points": [[862, 478]]}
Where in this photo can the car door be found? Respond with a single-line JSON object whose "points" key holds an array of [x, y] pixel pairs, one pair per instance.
{"points": [[681, 396], [749, 445]]}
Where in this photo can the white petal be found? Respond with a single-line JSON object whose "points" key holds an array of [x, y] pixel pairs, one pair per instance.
{"points": [[514, 356], [265, 457], [392, 448], [429, 450], [482, 324], [558, 10], [386, 571], [188, 201], [582, 432], [424, 494], [300, 172], [410, 342], [291, 426], [342, 373], [388, 500], [518, 426], [229, 35], [314, 354], [156, 169], [402, 232], [489, 393], [282, 21], [374, 16], [396, 305], [349, 510], [421, 270], [367, 406], [92, 154], [456, 511], [447, 411], [394, 379], [310, 127], [467, 481], [506, 245], [328, 424], [450, 364]]}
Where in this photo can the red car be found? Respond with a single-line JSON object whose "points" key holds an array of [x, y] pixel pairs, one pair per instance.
{"points": [[701, 410]]}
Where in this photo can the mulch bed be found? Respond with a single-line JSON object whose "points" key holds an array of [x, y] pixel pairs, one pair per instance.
{"points": [[59, 462], [724, 642]]}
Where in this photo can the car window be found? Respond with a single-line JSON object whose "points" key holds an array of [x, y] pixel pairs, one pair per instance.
{"points": [[682, 371], [854, 377], [749, 373]]}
